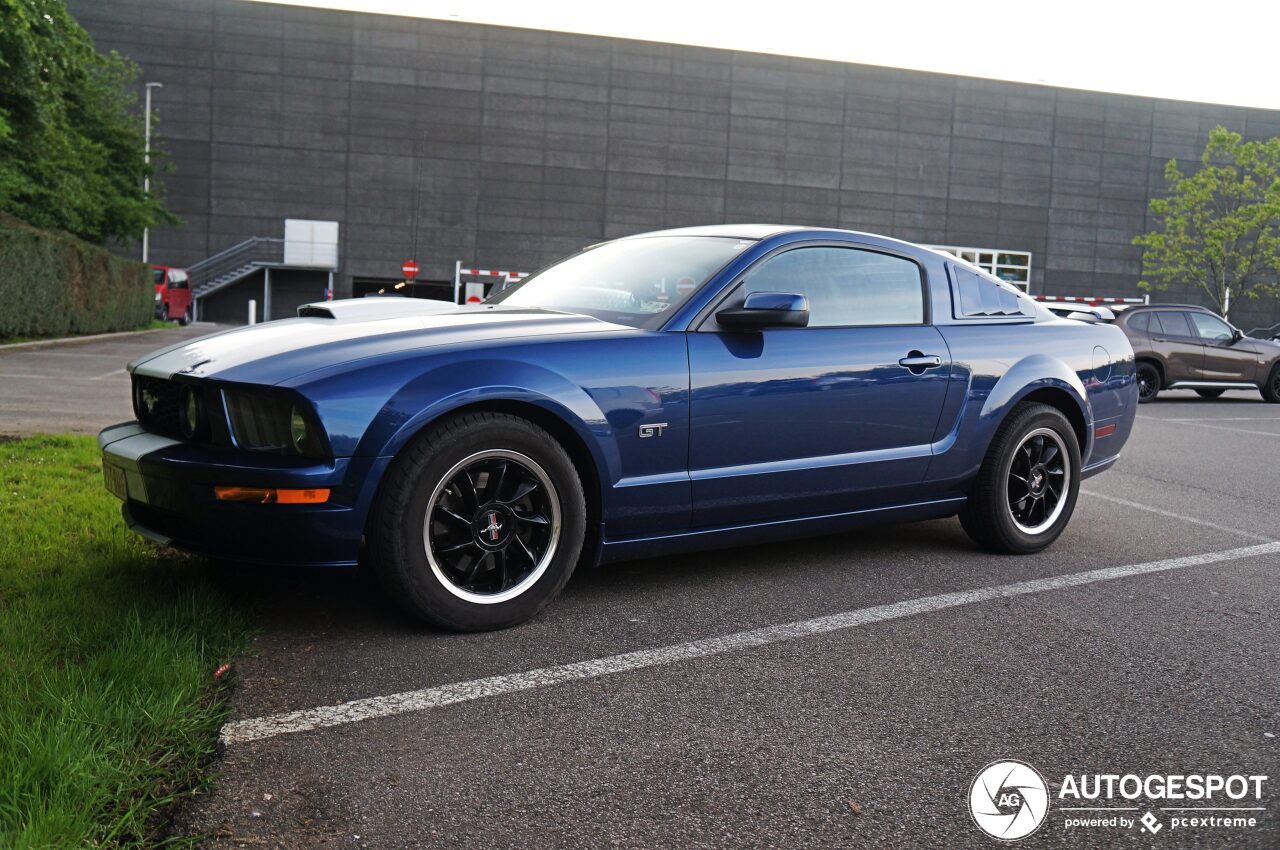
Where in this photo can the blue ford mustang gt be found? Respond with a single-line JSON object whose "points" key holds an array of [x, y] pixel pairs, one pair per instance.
{"points": [[660, 393]]}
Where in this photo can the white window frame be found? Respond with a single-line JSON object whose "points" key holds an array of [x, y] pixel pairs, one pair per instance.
{"points": [[994, 261]]}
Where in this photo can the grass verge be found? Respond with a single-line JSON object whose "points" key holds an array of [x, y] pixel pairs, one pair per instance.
{"points": [[153, 325], [109, 707]]}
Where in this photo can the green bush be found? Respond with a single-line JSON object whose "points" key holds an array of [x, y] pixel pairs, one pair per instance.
{"points": [[53, 284]]}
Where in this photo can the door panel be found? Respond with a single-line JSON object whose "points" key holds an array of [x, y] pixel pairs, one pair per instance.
{"points": [[810, 421], [1173, 338], [1224, 358]]}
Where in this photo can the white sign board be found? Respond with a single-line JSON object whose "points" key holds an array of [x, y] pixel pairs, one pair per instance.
{"points": [[311, 243]]}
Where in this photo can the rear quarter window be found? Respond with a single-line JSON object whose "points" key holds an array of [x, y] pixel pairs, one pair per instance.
{"points": [[976, 296], [1140, 322]]}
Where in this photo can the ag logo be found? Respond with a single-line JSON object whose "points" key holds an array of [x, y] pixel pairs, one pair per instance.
{"points": [[1008, 800]]}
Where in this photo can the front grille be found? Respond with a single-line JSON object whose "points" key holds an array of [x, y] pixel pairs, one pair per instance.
{"points": [[155, 403]]}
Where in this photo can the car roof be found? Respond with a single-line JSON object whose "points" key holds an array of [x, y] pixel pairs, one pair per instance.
{"points": [[764, 231], [733, 231], [1137, 307]]}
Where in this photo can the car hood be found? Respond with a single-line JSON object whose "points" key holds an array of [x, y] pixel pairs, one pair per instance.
{"points": [[276, 351]]}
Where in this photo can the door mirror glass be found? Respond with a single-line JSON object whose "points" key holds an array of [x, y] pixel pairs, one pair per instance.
{"points": [[767, 310]]}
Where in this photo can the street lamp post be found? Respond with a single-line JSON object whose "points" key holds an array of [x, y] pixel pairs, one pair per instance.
{"points": [[146, 178]]}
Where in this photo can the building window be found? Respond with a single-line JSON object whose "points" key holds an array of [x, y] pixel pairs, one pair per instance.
{"points": [[1011, 266]]}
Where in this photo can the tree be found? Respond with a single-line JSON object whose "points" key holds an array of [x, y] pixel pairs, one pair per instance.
{"points": [[71, 137], [1219, 228]]}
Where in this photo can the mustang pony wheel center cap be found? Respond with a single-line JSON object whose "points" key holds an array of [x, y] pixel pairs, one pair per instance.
{"points": [[493, 526]]}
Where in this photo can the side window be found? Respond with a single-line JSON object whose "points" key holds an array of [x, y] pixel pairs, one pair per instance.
{"points": [[845, 286], [1141, 322], [1211, 327], [1174, 323], [983, 297]]}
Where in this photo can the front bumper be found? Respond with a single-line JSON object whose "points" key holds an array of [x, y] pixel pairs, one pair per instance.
{"points": [[167, 490]]}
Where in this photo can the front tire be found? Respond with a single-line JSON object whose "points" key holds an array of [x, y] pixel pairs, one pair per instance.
{"points": [[479, 523], [1027, 487], [185, 318], [1271, 389], [1148, 382]]}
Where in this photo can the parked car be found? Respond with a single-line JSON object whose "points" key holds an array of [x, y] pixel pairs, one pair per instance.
{"points": [[173, 294], [808, 381], [1186, 347]]}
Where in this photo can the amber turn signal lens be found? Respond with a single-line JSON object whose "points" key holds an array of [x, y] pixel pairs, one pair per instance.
{"points": [[269, 495]]}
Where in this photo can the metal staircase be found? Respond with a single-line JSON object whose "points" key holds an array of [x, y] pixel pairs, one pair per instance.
{"points": [[235, 263]]}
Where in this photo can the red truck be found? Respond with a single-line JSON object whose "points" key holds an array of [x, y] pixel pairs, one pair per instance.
{"points": [[173, 294]]}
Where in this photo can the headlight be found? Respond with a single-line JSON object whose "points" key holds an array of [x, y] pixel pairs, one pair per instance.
{"points": [[298, 430], [272, 422], [157, 296], [190, 412]]}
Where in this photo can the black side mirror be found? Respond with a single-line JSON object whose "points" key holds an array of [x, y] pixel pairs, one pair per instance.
{"points": [[1236, 335], [767, 310]]}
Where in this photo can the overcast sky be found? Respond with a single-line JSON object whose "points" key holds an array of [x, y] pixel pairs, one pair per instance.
{"points": [[1219, 52]]}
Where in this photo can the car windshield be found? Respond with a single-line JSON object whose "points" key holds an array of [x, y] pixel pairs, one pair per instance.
{"points": [[636, 282]]}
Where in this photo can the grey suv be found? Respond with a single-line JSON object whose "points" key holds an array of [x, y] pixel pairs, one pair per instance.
{"points": [[1183, 347]]}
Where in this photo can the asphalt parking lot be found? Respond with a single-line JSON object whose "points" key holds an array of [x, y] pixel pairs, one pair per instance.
{"points": [[1146, 640], [89, 376]]}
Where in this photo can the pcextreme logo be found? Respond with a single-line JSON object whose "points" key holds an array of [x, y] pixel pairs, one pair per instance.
{"points": [[1009, 800]]}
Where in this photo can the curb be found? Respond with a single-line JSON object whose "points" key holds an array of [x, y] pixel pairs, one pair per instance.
{"points": [[67, 340]]}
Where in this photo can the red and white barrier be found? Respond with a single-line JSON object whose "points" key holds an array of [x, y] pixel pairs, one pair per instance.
{"points": [[1093, 299], [475, 290]]}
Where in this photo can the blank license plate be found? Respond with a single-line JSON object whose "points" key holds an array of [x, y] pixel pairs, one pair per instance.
{"points": [[115, 478]]}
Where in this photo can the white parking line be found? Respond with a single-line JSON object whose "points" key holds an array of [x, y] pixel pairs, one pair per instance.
{"points": [[355, 711], [1183, 517], [1213, 427]]}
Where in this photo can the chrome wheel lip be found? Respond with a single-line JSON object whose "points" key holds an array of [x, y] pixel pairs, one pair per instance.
{"points": [[1061, 504], [543, 563]]}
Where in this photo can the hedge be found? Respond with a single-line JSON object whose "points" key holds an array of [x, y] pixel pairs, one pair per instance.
{"points": [[53, 284]]}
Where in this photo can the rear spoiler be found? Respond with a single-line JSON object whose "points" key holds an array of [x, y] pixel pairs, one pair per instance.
{"points": [[1083, 313]]}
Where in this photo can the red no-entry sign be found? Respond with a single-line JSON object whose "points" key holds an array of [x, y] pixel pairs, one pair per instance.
{"points": [[409, 269]]}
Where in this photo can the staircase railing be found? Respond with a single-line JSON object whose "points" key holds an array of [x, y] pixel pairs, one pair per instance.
{"points": [[259, 250]]}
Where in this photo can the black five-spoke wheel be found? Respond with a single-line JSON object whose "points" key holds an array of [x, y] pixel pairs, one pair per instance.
{"points": [[479, 522], [1028, 484], [1038, 478], [492, 526]]}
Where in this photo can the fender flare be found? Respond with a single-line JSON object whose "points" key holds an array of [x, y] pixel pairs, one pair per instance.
{"points": [[1029, 375], [452, 385]]}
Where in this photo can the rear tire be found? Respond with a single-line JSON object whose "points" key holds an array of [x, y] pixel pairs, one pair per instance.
{"points": [[1026, 490], [479, 523], [1209, 393], [1271, 389], [1148, 382]]}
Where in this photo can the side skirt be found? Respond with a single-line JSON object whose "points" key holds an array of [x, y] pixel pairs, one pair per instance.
{"points": [[1210, 385], [764, 532]]}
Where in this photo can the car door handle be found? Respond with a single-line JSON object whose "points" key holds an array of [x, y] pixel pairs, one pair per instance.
{"points": [[915, 360]]}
